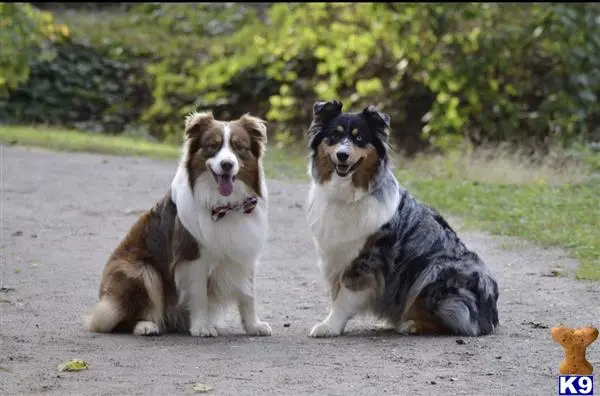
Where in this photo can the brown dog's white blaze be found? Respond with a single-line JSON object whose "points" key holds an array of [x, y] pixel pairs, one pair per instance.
{"points": [[205, 138]]}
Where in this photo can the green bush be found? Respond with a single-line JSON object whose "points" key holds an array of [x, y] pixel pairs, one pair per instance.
{"points": [[80, 88], [525, 73], [25, 35], [522, 73]]}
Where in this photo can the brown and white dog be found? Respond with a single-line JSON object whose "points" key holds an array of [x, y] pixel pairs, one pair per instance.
{"points": [[195, 252]]}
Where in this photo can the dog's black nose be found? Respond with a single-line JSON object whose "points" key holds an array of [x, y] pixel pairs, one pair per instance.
{"points": [[342, 156], [226, 165]]}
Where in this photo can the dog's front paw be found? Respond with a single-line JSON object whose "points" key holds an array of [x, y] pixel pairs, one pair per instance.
{"points": [[259, 329], [203, 330], [146, 328], [324, 329]]}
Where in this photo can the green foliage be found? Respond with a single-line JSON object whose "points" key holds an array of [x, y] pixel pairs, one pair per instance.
{"points": [[521, 73], [79, 88], [25, 33]]}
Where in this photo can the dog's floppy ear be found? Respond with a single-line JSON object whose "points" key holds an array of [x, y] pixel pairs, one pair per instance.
{"points": [[196, 123], [257, 129], [325, 111], [380, 122], [377, 117]]}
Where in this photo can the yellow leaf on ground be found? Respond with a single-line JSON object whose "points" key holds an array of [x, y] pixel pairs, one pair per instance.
{"points": [[202, 388], [73, 365]]}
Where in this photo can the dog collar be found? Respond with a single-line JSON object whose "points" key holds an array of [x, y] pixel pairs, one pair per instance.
{"points": [[246, 206]]}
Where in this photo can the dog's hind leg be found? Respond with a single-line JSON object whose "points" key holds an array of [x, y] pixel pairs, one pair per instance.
{"points": [[419, 321], [465, 305], [105, 316], [132, 300], [154, 315]]}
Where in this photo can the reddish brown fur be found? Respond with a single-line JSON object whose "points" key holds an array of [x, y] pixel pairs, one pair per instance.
{"points": [[363, 175], [138, 276], [205, 138], [424, 322], [248, 140], [324, 162]]}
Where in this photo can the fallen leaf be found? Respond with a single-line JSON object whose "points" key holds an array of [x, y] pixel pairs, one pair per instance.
{"points": [[552, 273], [73, 365], [202, 388]]}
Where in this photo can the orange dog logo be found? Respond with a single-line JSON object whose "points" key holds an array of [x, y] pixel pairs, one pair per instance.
{"points": [[575, 342]]}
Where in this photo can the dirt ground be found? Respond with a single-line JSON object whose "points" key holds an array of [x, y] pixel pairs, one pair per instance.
{"points": [[63, 214]]}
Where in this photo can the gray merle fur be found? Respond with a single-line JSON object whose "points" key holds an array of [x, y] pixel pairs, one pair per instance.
{"points": [[416, 253]]}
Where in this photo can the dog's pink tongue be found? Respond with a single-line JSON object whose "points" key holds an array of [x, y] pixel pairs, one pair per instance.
{"points": [[225, 185]]}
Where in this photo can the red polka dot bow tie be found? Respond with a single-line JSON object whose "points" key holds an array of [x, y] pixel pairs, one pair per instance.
{"points": [[247, 206]]}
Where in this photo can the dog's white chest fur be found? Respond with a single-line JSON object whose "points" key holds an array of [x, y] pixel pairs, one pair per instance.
{"points": [[229, 247], [237, 237], [341, 217]]}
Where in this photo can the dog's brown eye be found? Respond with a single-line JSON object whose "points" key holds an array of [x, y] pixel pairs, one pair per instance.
{"points": [[240, 148], [212, 146]]}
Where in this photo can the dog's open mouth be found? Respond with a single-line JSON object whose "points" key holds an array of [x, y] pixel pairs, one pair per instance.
{"points": [[224, 183], [344, 170]]}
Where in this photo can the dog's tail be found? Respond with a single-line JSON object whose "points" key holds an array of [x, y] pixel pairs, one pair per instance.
{"points": [[465, 303], [105, 316], [466, 313]]}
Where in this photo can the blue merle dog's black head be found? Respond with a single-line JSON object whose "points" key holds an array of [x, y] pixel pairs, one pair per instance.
{"points": [[348, 144]]}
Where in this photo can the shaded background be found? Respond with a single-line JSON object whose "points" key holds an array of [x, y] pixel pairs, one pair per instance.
{"points": [[523, 74]]}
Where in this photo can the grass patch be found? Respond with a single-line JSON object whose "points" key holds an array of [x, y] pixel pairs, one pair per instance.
{"points": [[279, 163], [553, 206], [73, 141]]}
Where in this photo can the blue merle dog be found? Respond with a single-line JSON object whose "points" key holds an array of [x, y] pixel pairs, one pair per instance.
{"points": [[380, 250]]}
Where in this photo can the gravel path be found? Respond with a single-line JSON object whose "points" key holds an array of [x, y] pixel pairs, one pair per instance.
{"points": [[63, 214]]}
